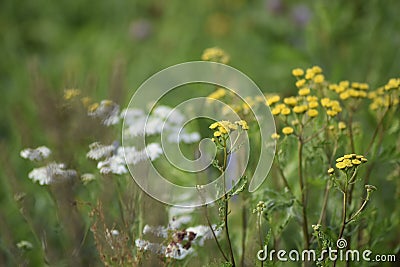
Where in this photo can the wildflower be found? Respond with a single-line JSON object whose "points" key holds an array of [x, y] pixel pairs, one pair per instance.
{"points": [[331, 171], [71, 93], [341, 165], [356, 162], [92, 108], [275, 136], [287, 130], [217, 134], [98, 151], [273, 99], [219, 93], [300, 109], [325, 102], [345, 95], [260, 207], [243, 124], [37, 154], [312, 113], [313, 104], [300, 83], [304, 91], [342, 125], [86, 101], [297, 72], [291, 101], [51, 173], [24, 245], [319, 78], [285, 111], [215, 54], [87, 178], [107, 111], [316, 69], [331, 113]]}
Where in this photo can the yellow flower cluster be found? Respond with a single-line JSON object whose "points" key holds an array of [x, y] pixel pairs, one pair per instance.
{"points": [[349, 160], [313, 74], [215, 54], [71, 93], [223, 128], [332, 106], [385, 96], [345, 90]]}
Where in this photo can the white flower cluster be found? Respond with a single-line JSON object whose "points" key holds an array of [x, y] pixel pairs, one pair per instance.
{"points": [[114, 160], [107, 111], [51, 173], [36, 154], [180, 242]]}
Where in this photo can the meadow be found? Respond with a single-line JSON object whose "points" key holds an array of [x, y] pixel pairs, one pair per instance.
{"points": [[328, 73]]}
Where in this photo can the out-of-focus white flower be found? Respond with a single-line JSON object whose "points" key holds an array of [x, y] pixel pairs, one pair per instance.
{"points": [[177, 222], [107, 111], [159, 231], [114, 232], [87, 178], [98, 151], [38, 154], [51, 173], [25, 245], [153, 151], [114, 164], [146, 245], [203, 233], [177, 251]]}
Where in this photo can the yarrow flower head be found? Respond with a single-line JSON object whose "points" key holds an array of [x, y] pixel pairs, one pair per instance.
{"points": [[36, 154]]}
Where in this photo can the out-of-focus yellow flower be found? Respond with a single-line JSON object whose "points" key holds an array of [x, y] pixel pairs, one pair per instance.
{"points": [[299, 109], [331, 113], [217, 94], [341, 125], [243, 124], [316, 69], [313, 104], [275, 136], [300, 83], [325, 102], [311, 98], [86, 101], [312, 113], [291, 101], [276, 111], [93, 107], [273, 99], [285, 111], [345, 95], [297, 72], [304, 91], [287, 130], [215, 54], [71, 93], [320, 78], [331, 171]]}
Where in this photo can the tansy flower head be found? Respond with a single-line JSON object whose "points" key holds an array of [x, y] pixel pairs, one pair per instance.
{"points": [[299, 109], [291, 101], [304, 91], [300, 83], [243, 124], [350, 160], [331, 171], [287, 130], [275, 136], [71, 93], [273, 99], [341, 125], [319, 78], [297, 72], [215, 54], [312, 113]]}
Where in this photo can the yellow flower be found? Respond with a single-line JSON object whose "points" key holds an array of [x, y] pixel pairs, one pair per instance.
{"points": [[285, 111], [93, 107], [345, 95], [297, 72], [312, 113], [275, 136], [243, 124], [214, 125], [331, 113], [342, 125], [356, 162], [344, 84], [291, 101], [363, 86], [325, 102], [319, 78], [215, 54], [355, 85], [339, 159], [300, 109], [217, 134], [219, 93], [312, 98], [347, 156], [276, 111], [300, 83], [313, 104], [222, 129], [331, 171], [309, 74], [71, 93], [287, 130], [86, 101], [273, 99], [316, 69], [304, 91], [340, 165]]}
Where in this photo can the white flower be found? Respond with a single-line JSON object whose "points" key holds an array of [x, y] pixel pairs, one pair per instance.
{"points": [[98, 151], [146, 245], [37, 154], [23, 244], [114, 164], [153, 151], [53, 172], [203, 233], [87, 178], [107, 111], [159, 231]]}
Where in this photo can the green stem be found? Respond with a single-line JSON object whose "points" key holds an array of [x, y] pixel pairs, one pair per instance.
{"points": [[303, 193]]}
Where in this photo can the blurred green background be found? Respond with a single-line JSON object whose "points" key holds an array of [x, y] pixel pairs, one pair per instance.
{"points": [[108, 48]]}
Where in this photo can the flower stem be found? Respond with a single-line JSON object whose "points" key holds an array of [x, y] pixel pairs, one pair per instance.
{"points": [[303, 193]]}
